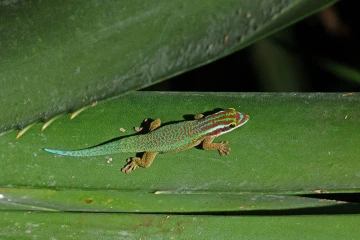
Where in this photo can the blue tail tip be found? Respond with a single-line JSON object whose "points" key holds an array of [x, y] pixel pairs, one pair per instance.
{"points": [[51, 150]]}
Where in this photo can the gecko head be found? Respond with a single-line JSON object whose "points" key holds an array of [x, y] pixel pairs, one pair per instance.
{"points": [[223, 122]]}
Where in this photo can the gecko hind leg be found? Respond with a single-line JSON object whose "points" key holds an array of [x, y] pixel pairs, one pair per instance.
{"points": [[135, 162], [221, 147]]}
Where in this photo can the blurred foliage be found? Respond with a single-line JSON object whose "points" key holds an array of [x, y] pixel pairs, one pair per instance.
{"points": [[317, 54], [76, 53]]}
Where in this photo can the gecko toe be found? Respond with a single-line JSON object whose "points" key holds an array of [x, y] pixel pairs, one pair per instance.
{"points": [[130, 166], [224, 151], [127, 169]]}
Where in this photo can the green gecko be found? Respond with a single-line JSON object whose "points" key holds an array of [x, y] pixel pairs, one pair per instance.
{"points": [[168, 139]]}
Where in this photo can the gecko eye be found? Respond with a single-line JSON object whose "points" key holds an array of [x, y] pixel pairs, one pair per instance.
{"points": [[232, 125]]}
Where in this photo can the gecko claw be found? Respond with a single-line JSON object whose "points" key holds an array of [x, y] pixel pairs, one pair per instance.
{"points": [[132, 165], [224, 150]]}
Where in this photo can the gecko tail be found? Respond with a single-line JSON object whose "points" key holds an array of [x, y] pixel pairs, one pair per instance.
{"points": [[76, 153], [54, 151], [87, 152], [64, 152]]}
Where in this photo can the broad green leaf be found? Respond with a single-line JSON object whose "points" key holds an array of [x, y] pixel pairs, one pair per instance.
{"points": [[75, 53], [144, 202], [25, 225], [293, 143]]}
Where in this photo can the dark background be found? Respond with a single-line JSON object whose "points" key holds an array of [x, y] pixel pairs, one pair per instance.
{"points": [[330, 35]]}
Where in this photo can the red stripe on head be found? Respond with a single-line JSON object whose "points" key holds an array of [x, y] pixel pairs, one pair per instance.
{"points": [[214, 124]]}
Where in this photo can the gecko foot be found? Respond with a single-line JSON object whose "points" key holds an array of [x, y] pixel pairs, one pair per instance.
{"points": [[199, 116], [131, 165], [224, 150]]}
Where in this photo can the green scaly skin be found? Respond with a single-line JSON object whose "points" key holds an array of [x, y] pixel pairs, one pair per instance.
{"points": [[168, 139]]}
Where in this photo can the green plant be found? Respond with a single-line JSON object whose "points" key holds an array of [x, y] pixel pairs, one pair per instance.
{"points": [[295, 145]]}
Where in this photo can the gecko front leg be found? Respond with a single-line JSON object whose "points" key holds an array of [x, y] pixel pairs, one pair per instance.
{"points": [[155, 124], [221, 147], [135, 162], [198, 116]]}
